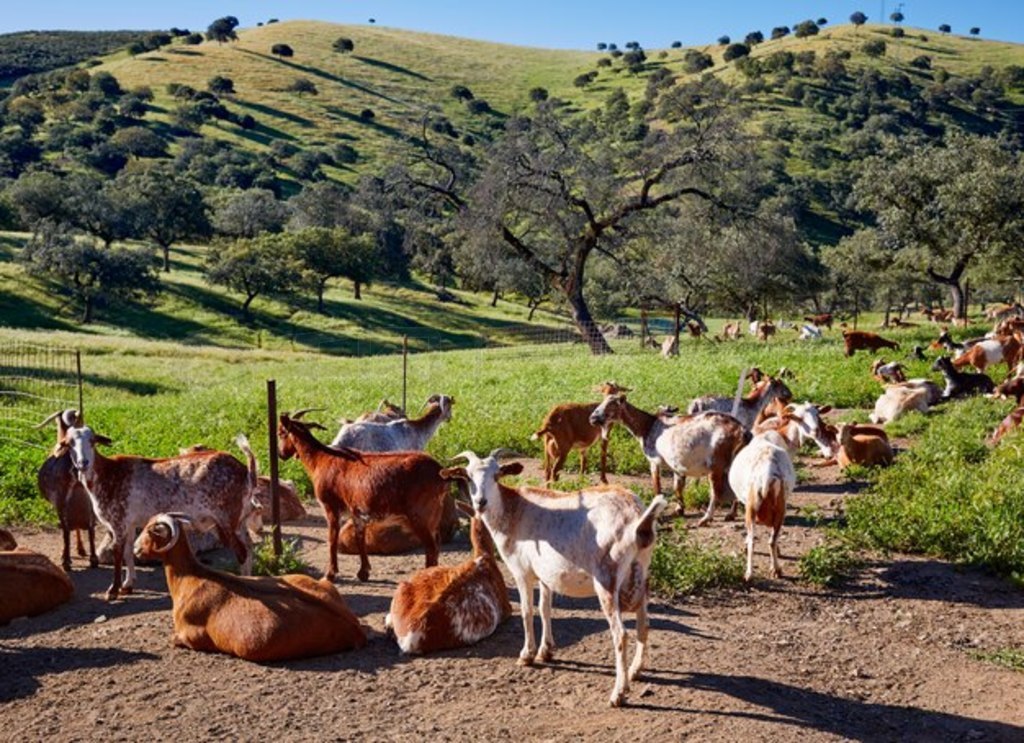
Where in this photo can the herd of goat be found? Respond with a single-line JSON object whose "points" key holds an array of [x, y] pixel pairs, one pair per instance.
{"points": [[597, 541]]}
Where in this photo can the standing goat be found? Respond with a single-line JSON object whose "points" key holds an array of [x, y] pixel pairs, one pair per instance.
{"points": [[691, 446], [59, 485], [567, 427], [594, 541], [259, 619], [450, 607], [763, 478], [211, 487], [402, 434], [861, 340], [369, 485], [746, 411]]}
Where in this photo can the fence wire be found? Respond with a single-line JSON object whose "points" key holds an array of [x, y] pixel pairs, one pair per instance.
{"points": [[35, 381]]}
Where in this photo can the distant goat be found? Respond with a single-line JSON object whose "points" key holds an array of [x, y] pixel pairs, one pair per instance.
{"points": [[766, 390], [861, 340], [824, 320], [888, 372], [397, 435]]}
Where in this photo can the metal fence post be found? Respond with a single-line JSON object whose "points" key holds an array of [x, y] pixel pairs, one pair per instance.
{"points": [[275, 498]]}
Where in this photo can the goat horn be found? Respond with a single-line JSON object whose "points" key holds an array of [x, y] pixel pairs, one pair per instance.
{"points": [[49, 418], [469, 456], [502, 451], [171, 522], [297, 415]]}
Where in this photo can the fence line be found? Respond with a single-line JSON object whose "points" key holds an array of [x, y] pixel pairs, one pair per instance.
{"points": [[36, 380]]}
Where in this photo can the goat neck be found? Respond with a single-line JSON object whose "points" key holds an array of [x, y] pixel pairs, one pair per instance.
{"points": [[637, 422]]}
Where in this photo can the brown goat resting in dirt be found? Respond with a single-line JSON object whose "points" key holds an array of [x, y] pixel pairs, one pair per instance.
{"points": [[449, 607], [567, 427], [369, 485], [858, 446], [59, 485], [259, 619], [30, 584]]}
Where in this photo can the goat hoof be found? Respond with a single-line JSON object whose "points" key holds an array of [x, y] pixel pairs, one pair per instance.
{"points": [[330, 575], [525, 660], [66, 566], [704, 521], [127, 590], [747, 577], [545, 655], [94, 562], [616, 699], [112, 594], [363, 575]]}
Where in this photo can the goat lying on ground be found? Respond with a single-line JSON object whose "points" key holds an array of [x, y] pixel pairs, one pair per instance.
{"points": [[961, 384], [897, 401], [259, 619], [568, 426], [1013, 387], [859, 446], [691, 446], [59, 484], [762, 478], [594, 541], [29, 583], [886, 373], [449, 607], [369, 485]]}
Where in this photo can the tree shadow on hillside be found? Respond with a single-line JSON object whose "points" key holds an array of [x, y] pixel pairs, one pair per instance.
{"points": [[276, 112], [804, 708], [317, 72], [391, 67], [21, 312], [70, 378], [385, 129]]}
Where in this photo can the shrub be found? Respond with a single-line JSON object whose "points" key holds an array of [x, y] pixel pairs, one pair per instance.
{"points": [[680, 565], [343, 45], [874, 48], [193, 39], [830, 563], [722, 41], [897, 33], [806, 28], [282, 50], [735, 51], [367, 114], [462, 93], [267, 563], [539, 94], [753, 38], [921, 62], [302, 85], [478, 106], [694, 61]]}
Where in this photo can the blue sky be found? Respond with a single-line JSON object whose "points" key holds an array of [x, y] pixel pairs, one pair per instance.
{"points": [[568, 24]]}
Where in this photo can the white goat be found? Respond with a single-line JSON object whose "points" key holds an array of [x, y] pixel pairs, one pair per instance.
{"points": [[897, 401], [810, 333], [403, 434], [762, 477], [593, 541]]}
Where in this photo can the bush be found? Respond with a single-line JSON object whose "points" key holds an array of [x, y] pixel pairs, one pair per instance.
{"points": [[806, 28], [367, 114], [302, 85], [461, 93], [267, 563], [874, 48], [478, 106], [897, 33], [722, 41], [681, 566], [193, 39], [735, 51], [694, 61], [343, 45], [282, 50], [830, 563], [921, 62]]}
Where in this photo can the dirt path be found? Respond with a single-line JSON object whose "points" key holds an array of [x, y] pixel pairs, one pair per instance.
{"points": [[885, 658]]}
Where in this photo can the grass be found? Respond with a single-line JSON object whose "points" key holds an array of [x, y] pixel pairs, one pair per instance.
{"points": [[829, 563], [267, 563], [1012, 658], [680, 566]]}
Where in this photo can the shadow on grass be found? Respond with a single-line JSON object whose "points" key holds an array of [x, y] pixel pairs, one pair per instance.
{"points": [[391, 67], [276, 112], [385, 129]]}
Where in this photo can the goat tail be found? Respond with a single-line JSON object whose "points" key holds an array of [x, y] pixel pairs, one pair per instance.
{"points": [[242, 441], [535, 436], [739, 393], [644, 529]]}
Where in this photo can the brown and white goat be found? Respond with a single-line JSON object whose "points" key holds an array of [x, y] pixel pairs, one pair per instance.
{"points": [[747, 408], [732, 331], [369, 485], [888, 372], [211, 487], [762, 478], [1012, 387], [568, 426], [859, 446], [258, 619], [989, 352], [861, 340], [30, 583], [441, 608], [691, 446], [1010, 423], [824, 320], [796, 424], [59, 484], [594, 541], [403, 434]]}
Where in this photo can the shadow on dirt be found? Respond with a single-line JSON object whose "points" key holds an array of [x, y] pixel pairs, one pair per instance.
{"points": [[848, 718], [23, 667]]}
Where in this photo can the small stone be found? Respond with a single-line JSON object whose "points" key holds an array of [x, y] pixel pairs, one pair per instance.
{"points": [[100, 619]]}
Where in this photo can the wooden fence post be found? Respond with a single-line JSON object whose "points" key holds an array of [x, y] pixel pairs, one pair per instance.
{"points": [[275, 498], [405, 369]]}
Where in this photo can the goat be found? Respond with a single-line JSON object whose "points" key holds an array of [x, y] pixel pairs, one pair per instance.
{"points": [[1010, 423], [669, 347], [763, 478], [824, 320], [809, 333], [897, 401], [861, 340], [691, 446], [961, 384], [386, 411], [369, 485], [449, 607], [566, 427], [796, 424], [31, 583], [1013, 387], [731, 331], [747, 409], [59, 485], [260, 619], [858, 446], [396, 435], [762, 330], [989, 352], [392, 535], [999, 313], [213, 487], [594, 541], [888, 372]]}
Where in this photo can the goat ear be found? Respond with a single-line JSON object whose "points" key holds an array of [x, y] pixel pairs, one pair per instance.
{"points": [[824, 409], [103, 440], [466, 509], [454, 473], [512, 468]]}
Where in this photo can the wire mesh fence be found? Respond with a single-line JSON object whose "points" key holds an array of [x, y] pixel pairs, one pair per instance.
{"points": [[36, 380]]}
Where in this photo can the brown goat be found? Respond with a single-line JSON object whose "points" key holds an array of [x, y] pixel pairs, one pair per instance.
{"points": [[1010, 423], [857, 446], [259, 619], [861, 340], [450, 607], [59, 485], [824, 320], [369, 485], [392, 535], [989, 352], [1013, 387], [31, 583], [567, 427]]}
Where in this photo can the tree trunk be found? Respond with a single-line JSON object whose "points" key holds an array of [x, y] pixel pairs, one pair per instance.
{"points": [[590, 333], [320, 298], [167, 258], [494, 297], [533, 305], [246, 303], [643, 329], [87, 311], [676, 322], [956, 291], [888, 304], [358, 286]]}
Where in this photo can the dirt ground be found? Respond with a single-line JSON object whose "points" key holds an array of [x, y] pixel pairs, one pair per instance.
{"points": [[886, 657]]}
